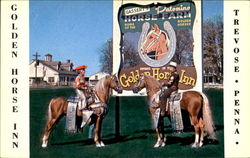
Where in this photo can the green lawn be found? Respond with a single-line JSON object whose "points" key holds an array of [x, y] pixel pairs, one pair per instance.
{"points": [[137, 137]]}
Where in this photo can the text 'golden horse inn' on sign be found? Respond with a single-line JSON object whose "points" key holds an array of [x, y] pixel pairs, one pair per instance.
{"points": [[187, 78], [153, 35]]}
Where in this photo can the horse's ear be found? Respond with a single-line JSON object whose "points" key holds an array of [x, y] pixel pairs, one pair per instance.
{"points": [[142, 75], [152, 27], [156, 27], [113, 76]]}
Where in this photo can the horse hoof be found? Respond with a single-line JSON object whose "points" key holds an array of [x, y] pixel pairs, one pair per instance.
{"points": [[163, 144], [157, 145], [200, 144], [195, 145], [165, 139], [44, 145], [98, 145], [102, 144]]}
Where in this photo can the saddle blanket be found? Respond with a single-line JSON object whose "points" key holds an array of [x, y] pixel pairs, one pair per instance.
{"points": [[71, 115], [73, 102], [175, 111]]}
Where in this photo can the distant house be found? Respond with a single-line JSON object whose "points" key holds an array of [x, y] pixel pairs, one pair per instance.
{"points": [[93, 79], [51, 72]]}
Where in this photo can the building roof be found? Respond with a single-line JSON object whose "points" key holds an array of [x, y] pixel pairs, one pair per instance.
{"points": [[48, 54], [99, 74], [63, 69]]}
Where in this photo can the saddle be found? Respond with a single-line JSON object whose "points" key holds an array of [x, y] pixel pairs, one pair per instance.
{"points": [[74, 102], [90, 96], [175, 96], [173, 104]]}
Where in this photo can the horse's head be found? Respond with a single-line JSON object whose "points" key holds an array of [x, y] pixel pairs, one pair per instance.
{"points": [[156, 41], [148, 82], [140, 84], [151, 42], [114, 84]]}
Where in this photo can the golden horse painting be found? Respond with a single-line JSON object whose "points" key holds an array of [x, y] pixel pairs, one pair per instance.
{"points": [[156, 43]]}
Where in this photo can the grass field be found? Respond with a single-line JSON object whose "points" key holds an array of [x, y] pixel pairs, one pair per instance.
{"points": [[137, 137]]}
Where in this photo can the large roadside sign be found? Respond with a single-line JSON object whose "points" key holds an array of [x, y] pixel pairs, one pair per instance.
{"points": [[149, 34]]}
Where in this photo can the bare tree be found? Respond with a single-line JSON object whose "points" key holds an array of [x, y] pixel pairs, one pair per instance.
{"points": [[106, 57], [131, 56], [184, 47], [213, 49]]}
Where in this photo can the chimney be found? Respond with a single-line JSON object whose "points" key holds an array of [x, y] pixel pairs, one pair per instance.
{"points": [[71, 67], [59, 65], [48, 57]]}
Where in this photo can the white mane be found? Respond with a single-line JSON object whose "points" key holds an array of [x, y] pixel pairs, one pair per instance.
{"points": [[100, 86]]}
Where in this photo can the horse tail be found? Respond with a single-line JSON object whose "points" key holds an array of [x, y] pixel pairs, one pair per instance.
{"points": [[207, 117]]}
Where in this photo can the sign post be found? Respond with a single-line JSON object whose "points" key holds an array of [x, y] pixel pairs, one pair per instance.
{"points": [[117, 117]]}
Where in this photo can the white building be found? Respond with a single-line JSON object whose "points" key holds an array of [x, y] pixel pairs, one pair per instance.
{"points": [[93, 79], [51, 72]]}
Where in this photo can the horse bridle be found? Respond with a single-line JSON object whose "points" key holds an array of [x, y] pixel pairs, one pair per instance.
{"points": [[139, 88], [116, 81], [137, 85], [155, 40]]}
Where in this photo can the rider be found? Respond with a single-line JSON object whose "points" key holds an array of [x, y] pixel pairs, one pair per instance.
{"points": [[172, 85], [81, 85]]}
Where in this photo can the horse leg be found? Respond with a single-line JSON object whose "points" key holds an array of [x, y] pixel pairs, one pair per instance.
{"points": [[48, 131], [197, 131], [201, 125], [157, 144], [160, 133], [97, 132], [161, 127], [56, 108]]}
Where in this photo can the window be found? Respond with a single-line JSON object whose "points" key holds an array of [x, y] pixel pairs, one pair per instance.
{"points": [[62, 79], [51, 79]]}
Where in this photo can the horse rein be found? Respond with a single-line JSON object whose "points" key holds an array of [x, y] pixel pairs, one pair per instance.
{"points": [[116, 81], [139, 88], [155, 40]]}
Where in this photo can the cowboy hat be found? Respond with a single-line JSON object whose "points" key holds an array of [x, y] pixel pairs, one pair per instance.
{"points": [[173, 64], [81, 67]]}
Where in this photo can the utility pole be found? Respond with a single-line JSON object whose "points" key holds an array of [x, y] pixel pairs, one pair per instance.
{"points": [[37, 63]]}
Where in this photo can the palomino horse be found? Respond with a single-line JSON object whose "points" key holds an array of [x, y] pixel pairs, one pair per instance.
{"points": [[58, 107], [195, 103], [156, 41]]}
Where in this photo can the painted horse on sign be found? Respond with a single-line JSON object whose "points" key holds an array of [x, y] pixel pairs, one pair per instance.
{"points": [[58, 107], [156, 42], [195, 103]]}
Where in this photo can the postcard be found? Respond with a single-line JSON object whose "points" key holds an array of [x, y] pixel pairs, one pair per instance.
{"points": [[124, 78]]}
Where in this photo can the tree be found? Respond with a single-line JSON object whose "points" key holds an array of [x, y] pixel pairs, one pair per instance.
{"points": [[213, 48], [131, 56], [184, 47], [106, 57]]}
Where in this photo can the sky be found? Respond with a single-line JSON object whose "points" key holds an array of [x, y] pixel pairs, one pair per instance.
{"points": [[212, 8], [77, 30]]}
